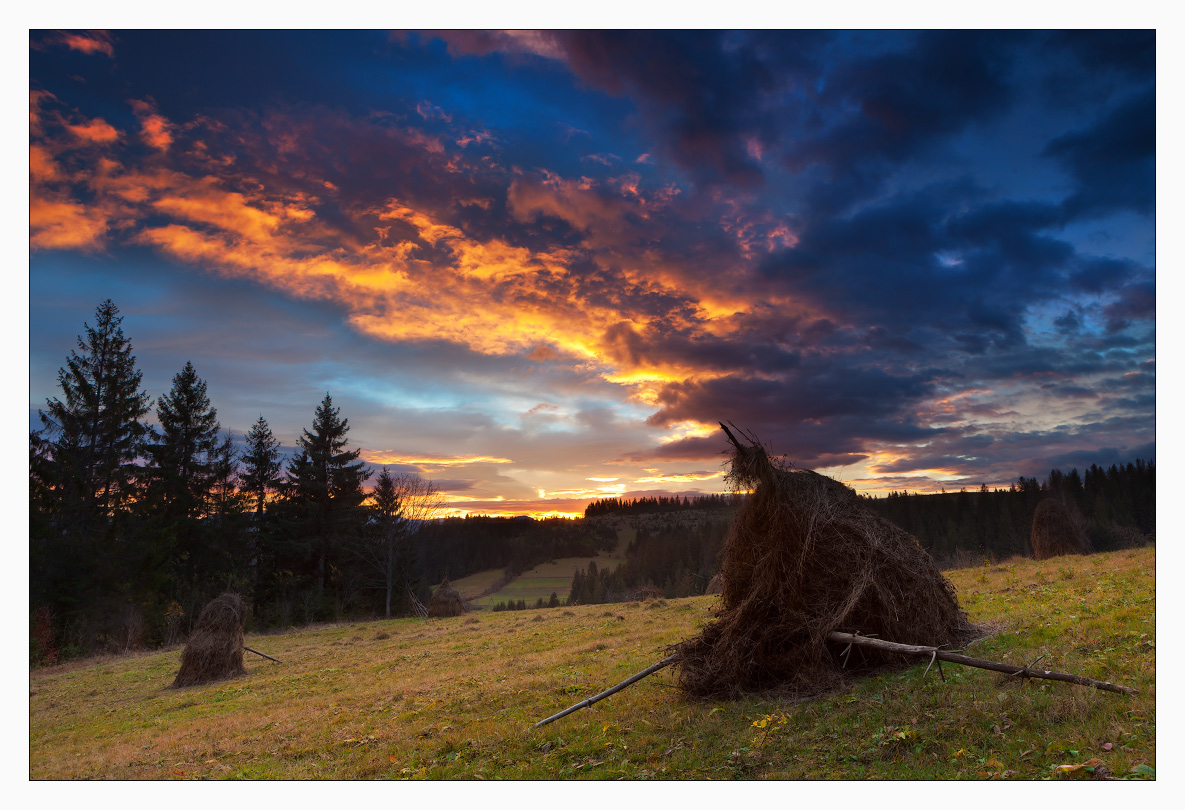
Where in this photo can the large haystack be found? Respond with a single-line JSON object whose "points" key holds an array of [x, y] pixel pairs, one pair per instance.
{"points": [[804, 558], [1057, 530], [214, 651], [446, 601]]}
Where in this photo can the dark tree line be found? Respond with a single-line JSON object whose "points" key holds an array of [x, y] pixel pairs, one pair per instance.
{"points": [[458, 546], [657, 505], [1116, 504], [135, 526], [671, 560]]}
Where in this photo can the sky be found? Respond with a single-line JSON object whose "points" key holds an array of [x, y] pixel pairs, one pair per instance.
{"points": [[540, 268]]}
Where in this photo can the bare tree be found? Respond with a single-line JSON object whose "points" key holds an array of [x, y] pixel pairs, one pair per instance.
{"points": [[399, 506]]}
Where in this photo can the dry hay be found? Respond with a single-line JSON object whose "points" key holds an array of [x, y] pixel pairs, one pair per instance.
{"points": [[715, 585], [445, 601], [214, 651], [1057, 530], [804, 558]]}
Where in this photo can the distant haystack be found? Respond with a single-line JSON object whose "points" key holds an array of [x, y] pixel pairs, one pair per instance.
{"points": [[446, 601], [715, 585], [805, 558], [214, 651], [1057, 530]]}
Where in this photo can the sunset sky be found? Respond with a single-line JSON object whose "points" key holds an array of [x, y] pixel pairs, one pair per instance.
{"points": [[539, 268]]}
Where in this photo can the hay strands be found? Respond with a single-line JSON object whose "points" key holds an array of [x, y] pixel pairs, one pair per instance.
{"points": [[265, 655], [650, 670], [935, 654]]}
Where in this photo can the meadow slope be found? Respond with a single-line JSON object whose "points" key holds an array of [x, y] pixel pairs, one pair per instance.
{"points": [[456, 698]]}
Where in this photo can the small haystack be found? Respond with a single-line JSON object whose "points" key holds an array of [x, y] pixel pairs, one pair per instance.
{"points": [[446, 601], [804, 558], [214, 651], [715, 585], [1057, 530]]}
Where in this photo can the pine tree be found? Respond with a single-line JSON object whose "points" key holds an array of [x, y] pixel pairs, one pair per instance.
{"points": [[182, 456], [261, 466], [260, 477], [381, 547], [92, 438], [84, 475], [325, 485]]}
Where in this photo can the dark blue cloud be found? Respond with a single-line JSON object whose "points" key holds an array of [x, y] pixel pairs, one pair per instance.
{"points": [[900, 219], [1112, 160]]}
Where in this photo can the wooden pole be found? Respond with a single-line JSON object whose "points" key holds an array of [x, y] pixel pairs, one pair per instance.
{"points": [[257, 652], [632, 679], [942, 655]]}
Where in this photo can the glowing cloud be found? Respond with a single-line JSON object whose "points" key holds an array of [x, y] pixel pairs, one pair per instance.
{"points": [[680, 478], [427, 459]]}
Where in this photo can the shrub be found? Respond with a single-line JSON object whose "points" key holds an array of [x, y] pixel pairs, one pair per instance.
{"points": [[42, 651]]}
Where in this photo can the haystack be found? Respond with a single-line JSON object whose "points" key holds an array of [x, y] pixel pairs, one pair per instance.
{"points": [[446, 601], [1057, 530], [214, 651], [804, 558], [715, 585]]}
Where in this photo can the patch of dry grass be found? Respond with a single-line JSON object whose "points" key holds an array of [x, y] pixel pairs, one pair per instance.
{"points": [[443, 698]]}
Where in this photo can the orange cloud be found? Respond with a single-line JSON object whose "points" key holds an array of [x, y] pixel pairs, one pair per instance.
{"points": [[42, 168], [428, 459], [155, 129], [88, 42], [679, 478], [96, 130], [574, 201], [419, 278], [64, 225]]}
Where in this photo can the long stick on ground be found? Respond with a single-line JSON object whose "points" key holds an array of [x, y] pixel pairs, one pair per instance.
{"points": [[650, 670], [257, 652], [943, 655]]}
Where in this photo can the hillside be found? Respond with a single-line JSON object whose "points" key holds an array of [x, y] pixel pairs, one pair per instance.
{"points": [[456, 698], [487, 588]]}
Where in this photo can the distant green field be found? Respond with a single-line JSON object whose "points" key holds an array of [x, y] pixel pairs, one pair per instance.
{"points": [[547, 578], [474, 584]]}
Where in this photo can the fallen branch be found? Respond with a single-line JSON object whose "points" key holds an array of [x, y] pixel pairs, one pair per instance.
{"points": [[933, 653], [632, 679], [257, 652]]}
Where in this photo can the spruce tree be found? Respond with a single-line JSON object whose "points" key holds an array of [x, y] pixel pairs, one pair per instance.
{"points": [[400, 505], [183, 455], [84, 476], [325, 485], [381, 547], [90, 439], [260, 477], [261, 466], [185, 551]]}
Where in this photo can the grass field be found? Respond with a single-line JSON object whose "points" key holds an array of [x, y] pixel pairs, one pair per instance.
{"points": [[456, 699], [543, 580]]}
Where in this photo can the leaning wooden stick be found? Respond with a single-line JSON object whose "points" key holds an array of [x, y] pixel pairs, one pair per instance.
{"points": [[942, 655], [648, 671], [257, 652]]}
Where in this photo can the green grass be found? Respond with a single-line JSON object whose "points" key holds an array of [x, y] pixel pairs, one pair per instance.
{"points": [[456, 699], [554, 576], [475, 584]]}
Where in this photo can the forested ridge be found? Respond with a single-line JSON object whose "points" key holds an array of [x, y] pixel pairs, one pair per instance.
{"points": [[134, 526], [1115, 505]]}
